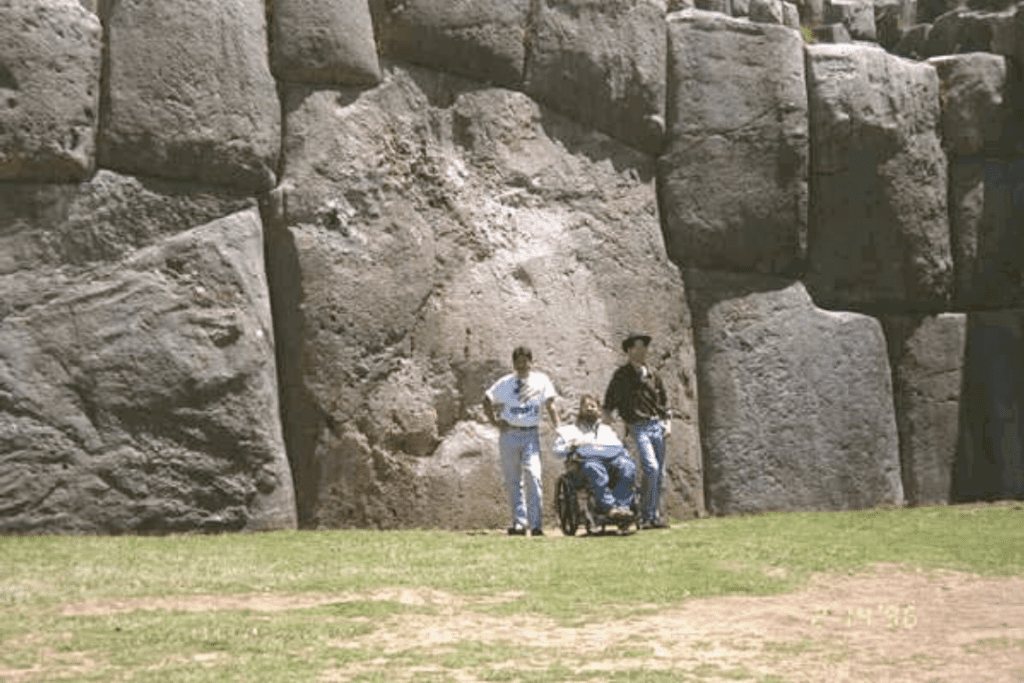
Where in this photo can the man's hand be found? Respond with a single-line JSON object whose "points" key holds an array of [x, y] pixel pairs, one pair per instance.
{"points": [[494, 412]]}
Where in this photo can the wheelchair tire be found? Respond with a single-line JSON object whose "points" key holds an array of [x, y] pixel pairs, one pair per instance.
{"points": [[565, 501]]}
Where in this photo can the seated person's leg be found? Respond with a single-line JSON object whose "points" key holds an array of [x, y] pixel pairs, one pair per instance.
{"points": [[597, 478], [622, 474]]}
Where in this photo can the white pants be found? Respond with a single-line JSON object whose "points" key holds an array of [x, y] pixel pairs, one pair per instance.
{"points": [[520, 462]]}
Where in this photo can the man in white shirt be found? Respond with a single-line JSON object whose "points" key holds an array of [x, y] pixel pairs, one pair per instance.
{"points": [[606, 464], [513, 403]]}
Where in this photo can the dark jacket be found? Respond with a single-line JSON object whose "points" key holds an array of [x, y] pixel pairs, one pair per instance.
{"points": [[637, 399]]}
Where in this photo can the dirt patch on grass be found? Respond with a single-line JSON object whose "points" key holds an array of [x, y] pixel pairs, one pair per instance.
{"points": [[883, 625], [887, 625]]}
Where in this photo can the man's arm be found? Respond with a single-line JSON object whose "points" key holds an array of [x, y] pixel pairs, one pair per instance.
{"points": [[662, 396], [552, 413], [493, 410], [611, 398], [563, 446]]}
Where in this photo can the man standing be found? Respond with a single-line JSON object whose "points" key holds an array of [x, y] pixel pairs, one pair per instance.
{"points": [[638, 395], [513, 403], [605, 462]]}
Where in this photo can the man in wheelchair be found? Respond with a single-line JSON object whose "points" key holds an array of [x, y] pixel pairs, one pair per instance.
{"points": [[603, 461]]}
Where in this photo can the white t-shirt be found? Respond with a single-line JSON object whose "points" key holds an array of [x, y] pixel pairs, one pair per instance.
{"points": [[521, 408], [602, 442]]}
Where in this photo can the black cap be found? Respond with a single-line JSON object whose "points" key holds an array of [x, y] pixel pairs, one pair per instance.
{"points": [[633, 336]]}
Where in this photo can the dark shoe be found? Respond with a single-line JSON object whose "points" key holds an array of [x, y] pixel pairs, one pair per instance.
{"points": [[537, 532], [516, 531], [653, 524]]}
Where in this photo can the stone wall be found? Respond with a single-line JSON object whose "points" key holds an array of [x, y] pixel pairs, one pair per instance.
{"points": [[258, 260]]}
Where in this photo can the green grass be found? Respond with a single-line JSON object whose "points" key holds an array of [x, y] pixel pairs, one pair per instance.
{"points": [[575, 581]]}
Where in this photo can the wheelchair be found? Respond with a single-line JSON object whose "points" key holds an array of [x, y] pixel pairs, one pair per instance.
{"points": [[575, 504]]}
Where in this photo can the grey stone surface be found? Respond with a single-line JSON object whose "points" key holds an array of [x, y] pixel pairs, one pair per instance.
{"points": [[766, 11], [190, 95], [990, 457], [484, 40], [987, 202], [878, 230], [602, 64], [926, 354], [324, 42], [858, 16], [139, 396], [103, 220], [964, 31], [912, 43], [720, 6], [50, 54], [812, 12], [832, 33], [790, 15], [733, 178], [929, 10], [892, 19], [974, 109], [796, 405], [423, 229]]}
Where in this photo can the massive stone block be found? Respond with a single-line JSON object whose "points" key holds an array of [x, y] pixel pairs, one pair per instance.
{"points": [[983, 135], [424, 229], [878, 230], [987, 200], [484, 39], [140, 395], [733, 177], [893, 18], [103, 220], [190, 95], [990, 457], [796, 407], [974, 106], [324, 42], [963, 31], [50, 53], [602, 64], [926, 354], [858, 16]]}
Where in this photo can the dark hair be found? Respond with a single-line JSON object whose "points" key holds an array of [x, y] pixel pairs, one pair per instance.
{"points": [[521, 351], [584, 397]]}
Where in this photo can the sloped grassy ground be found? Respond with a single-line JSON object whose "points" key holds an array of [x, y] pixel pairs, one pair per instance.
{"points": [[306, 606]]}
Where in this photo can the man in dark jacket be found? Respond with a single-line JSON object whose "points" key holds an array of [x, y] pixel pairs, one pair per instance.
{"points": [[638, 395]]}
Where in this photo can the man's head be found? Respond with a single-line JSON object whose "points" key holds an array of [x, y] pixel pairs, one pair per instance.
{"points": [[522, 360], [635, 346], [590, 409]]}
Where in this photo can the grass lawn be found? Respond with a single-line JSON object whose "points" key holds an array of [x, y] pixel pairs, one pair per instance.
{"points": [[333, 605]]}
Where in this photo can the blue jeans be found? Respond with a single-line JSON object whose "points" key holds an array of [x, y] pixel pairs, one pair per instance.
{"points": [[520, 462], [610, 481], [649, 437]]}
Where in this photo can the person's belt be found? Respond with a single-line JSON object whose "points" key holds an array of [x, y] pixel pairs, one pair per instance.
{"points": [[521, 429]]}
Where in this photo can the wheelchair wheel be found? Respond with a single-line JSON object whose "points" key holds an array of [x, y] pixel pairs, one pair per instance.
{"points": [[565, 501]]}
